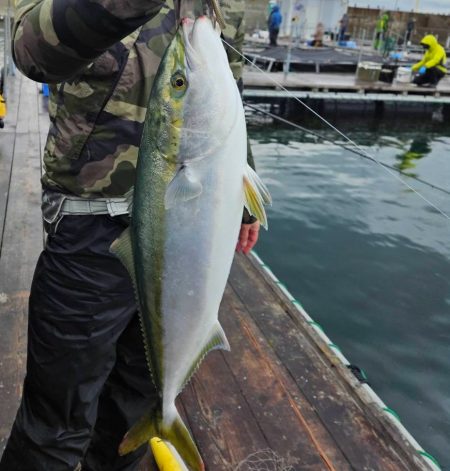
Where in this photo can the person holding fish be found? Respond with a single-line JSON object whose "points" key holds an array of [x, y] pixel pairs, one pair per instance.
{"points": [[137, 102]]}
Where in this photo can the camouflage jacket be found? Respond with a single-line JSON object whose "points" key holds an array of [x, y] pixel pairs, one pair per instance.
{"points": [[100, 58]]}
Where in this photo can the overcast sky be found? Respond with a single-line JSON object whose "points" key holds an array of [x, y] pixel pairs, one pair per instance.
{"points": [[429, 6]]}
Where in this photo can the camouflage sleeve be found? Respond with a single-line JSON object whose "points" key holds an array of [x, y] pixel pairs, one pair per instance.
{"points": [[233, 34], [54, 39]]}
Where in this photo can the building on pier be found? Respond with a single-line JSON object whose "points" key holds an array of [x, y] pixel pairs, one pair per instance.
{"points": [[300, 17]]}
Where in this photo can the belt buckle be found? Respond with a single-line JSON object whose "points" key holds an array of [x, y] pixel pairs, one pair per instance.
{"points": [[116, 208]]}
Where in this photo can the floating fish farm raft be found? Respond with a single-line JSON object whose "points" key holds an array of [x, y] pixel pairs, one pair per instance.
{"points": [[284, 398], [327, 79]]}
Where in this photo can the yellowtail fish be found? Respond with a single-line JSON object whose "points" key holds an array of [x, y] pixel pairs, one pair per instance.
{"points": [[191, 186]]}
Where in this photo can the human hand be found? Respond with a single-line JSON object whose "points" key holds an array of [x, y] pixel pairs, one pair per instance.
{"points": [[422, 70], [248, 236]]}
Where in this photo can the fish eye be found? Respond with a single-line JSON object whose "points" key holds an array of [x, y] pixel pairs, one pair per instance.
{"points": [[179, 82]]}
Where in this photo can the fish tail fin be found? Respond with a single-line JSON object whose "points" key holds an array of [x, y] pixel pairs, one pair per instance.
{"points": [[179, 437], [256, 196], [176, 433]]}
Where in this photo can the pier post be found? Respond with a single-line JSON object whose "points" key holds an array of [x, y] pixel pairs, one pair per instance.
{"points": [[446, 112], [379, 108]]}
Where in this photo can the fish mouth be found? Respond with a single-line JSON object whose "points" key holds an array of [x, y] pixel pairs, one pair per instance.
{"points": [[187, 28], [194, 32]]}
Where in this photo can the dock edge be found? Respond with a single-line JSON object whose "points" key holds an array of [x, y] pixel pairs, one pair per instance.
{"points": [[320, 339]]}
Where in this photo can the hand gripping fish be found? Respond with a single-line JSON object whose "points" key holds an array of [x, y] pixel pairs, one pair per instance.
{"points": [[192, 182]]}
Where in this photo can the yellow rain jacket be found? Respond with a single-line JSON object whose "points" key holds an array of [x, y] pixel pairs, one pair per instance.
{"points": [[2, 107], [434, 57]]}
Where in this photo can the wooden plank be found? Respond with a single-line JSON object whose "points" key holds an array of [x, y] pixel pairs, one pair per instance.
{"points": [[289, 422], [379, 420], [13, 315], [7, 140], [22, 240], [242, 402], [220, 418], [360, 440], [22, 243]]}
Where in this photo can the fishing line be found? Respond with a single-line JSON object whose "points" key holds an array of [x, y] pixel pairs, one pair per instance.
{"points": [[343, 146], [338, 131]]}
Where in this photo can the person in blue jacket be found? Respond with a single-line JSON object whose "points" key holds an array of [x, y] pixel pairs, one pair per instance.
{"points": [[274, 23]]}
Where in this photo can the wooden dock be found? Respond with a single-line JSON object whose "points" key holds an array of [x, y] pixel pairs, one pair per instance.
{"points": [[282, 393], [337, 87]]}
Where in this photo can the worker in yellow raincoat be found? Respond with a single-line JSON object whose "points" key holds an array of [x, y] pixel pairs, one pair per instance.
{"points": [[431, 68]]}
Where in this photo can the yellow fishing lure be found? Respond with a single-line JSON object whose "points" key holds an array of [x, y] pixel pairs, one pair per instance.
{"points": [[164, 458]]}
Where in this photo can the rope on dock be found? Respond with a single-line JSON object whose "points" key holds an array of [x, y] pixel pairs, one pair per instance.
{"points": [[318, 329], [265, 459]]}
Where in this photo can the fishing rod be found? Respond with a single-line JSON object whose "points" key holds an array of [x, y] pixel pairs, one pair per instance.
{"points": [[338, 131], [343, 146]]}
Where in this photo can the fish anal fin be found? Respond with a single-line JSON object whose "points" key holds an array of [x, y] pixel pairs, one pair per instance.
{"points": [[217, 341], [183, 187]]}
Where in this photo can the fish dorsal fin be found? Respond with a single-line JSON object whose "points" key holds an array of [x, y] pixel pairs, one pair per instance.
{"points": [[123, 249], [182, 188], [217, 340], [256, 195]]}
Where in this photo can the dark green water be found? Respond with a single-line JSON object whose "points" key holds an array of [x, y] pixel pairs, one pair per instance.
{"points": [[367, 258]]}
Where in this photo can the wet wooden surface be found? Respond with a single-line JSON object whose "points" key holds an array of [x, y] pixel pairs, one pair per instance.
{"points": [[21, 236], [280, 394]]}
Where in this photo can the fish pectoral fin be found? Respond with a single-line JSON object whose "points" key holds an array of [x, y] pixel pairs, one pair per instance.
{"points": [[256, 195], [123, 249], [182, 188]]}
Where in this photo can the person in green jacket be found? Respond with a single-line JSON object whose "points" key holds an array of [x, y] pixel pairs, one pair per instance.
{"points": [[381, 30], [431, 69], [87, 380]]}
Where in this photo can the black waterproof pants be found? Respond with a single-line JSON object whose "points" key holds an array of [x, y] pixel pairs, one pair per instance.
{"points": [[430, 77], [273, 36], [87, 379]]}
